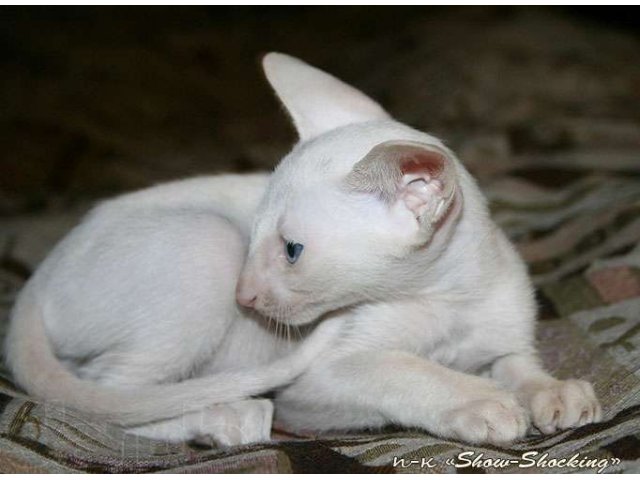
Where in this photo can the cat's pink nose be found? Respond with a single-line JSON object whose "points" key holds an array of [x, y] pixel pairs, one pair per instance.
{"points": [[245, 295], [247, 301]]}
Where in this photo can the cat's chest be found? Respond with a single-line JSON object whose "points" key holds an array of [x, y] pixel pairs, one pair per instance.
{"points": [[442, 331]]}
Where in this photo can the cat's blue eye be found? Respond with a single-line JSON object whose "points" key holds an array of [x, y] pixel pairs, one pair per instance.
{"points": [[293, 251]]}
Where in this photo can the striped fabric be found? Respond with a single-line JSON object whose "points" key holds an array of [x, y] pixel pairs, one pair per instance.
{"points": [[579, 230]]}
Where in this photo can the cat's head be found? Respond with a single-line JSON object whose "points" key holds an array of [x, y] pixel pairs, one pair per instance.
{"points": [[355, 212]]}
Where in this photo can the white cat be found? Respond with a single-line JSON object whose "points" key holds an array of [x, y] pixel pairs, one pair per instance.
{"points": [[370, 250]]}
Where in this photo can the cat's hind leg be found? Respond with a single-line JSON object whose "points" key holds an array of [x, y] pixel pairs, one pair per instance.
{"points": [[227, 424]]}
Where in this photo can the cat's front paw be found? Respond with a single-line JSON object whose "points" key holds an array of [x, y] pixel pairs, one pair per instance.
{"points": [[497, 419], [563, 404]]}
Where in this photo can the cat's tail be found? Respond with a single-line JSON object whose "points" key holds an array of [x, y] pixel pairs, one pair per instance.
{"points": [[41, 374]]}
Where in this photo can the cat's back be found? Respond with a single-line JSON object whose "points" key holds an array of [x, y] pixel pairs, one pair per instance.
{"points": [[234, 196], [116, 225]]}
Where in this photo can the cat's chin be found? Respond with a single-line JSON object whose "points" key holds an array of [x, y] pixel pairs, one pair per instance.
{"points": [[308, 316], [304, 317]]}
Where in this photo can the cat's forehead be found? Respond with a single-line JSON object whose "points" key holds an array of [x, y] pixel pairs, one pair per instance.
{"points": [[314, 170]]}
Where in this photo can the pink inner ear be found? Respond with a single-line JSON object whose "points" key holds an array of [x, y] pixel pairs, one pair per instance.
{"points": [[431, 163]]}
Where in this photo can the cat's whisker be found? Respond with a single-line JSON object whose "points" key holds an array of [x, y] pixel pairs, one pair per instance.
{"points": [[271, 324], [298, 331], [279, 329], [304, 291]]}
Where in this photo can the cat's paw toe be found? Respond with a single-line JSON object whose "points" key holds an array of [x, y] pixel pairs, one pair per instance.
{"points": [[564, 404], [496, 420]]}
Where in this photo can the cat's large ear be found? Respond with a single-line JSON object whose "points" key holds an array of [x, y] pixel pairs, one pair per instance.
{"points": [[411, 177], [316, 101]]}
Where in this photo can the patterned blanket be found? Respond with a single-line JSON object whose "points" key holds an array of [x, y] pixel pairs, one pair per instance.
{"points": [[578, 228]]}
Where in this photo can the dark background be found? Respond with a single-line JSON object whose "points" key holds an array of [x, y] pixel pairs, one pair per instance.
{"points": [[97, 100]]}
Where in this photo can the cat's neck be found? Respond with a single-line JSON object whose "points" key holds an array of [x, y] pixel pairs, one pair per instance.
{"points": [[459, 255]]}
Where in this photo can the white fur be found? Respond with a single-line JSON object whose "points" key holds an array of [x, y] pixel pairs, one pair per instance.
{"points": [[415, 287]]}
